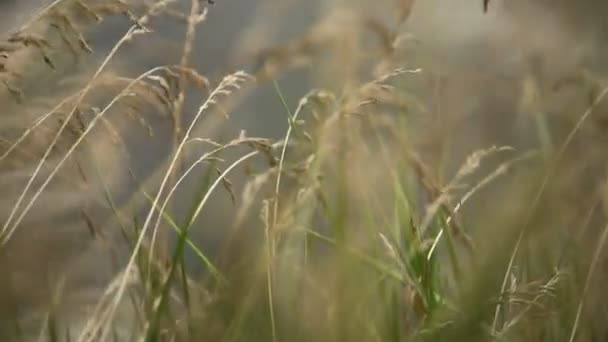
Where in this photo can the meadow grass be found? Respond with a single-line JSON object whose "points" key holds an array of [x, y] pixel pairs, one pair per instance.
{"points": [[356, 225]]}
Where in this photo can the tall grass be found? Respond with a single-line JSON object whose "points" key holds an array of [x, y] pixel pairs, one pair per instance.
{"points": [[376, 216]]}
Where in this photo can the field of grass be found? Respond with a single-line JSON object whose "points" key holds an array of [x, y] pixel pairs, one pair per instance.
{"points": [[407, 199]]}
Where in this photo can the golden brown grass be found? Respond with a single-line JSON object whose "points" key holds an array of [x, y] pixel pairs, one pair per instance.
{"points": [[414, 194]]}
